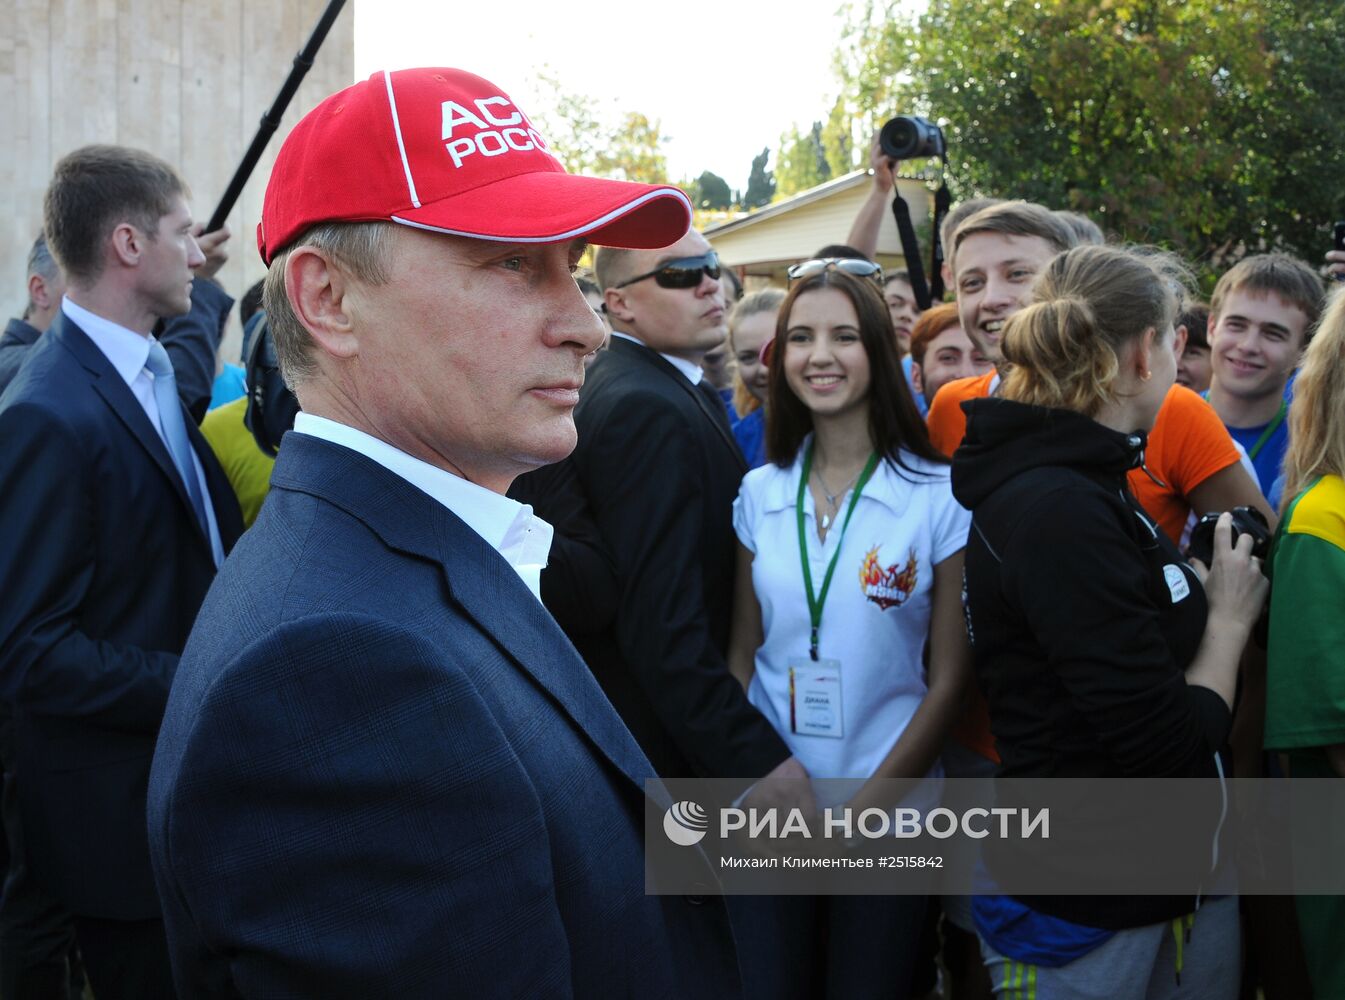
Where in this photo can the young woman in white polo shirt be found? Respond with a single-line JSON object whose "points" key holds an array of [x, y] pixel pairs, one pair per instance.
{"points": [[850, 565]]}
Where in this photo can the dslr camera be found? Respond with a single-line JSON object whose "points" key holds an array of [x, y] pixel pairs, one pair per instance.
{"points": [[1246, 521], [910, 137]]}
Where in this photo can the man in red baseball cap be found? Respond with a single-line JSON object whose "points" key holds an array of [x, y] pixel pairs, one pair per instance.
{"points": [[383, 770]]}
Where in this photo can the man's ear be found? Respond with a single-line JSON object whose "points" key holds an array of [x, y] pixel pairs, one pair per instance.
{"points": [[128, 244], [317, 290], [1209, 329], [1179, 340], [617, 306], [39, 293], [917, 377]]}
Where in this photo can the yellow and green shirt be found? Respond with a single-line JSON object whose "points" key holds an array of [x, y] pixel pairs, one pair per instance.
{"points": [[246, 465], [1305, 700], [1305, 697]]}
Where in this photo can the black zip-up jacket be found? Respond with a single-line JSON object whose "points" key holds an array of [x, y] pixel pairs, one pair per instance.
{"points": [[1083, 618]]}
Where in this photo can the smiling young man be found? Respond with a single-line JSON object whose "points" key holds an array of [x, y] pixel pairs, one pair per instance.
{"points": [[1261, 316], [941, 352], [383, 770], [996, 256]]}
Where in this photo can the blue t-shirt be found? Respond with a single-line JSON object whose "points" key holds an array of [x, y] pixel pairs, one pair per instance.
{"points": [[229, 385], [919, 397], [1269, 459], [751, 434]]}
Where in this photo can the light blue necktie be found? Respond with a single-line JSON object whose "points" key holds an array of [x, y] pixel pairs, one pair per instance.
{"points": [[174, 430]]}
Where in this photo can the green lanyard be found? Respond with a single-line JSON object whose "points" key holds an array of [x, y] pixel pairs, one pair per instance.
{"points": [[1269, 432], [815, 602]]}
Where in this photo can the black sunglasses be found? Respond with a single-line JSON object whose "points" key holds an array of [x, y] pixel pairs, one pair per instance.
{"points": [[684, 272], [857, 266]]}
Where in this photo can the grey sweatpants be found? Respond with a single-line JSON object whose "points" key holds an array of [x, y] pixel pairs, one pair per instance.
{"points": [[1157, 962]]}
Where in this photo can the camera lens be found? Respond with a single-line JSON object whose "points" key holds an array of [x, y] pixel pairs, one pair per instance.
{"points": [[908, 137], [898, 138]]}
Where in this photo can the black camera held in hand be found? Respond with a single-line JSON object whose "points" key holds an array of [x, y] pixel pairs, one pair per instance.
{"points": [[909, 137], [1246, 521]]}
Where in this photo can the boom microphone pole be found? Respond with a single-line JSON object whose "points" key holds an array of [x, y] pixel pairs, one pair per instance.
{"points": [[303, 62]]}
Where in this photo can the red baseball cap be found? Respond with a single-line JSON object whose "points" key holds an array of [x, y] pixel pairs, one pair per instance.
{"points": [[446, 151]]}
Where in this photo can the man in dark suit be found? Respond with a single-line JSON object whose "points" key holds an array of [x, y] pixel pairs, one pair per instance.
{"points": [[660, 468], [192, 340], [115, 516], [46, 285], [383, 771]]}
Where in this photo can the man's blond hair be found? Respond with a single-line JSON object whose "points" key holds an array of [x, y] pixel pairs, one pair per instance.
{"points": [[1017, 218], [1288, 277]]}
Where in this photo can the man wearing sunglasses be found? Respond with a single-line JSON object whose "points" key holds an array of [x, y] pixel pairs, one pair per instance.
{"points": [[660, 468]]}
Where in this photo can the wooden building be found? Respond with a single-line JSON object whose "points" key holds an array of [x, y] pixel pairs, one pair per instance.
{"points": [[187, 80], [762, 245]]}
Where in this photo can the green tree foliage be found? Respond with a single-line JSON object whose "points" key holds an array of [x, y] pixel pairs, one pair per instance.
{"points": [[587, 142], [760, 182], [842, 146], [711, 191], [829, 149], [802, 162], [634, 151], [1214, 126]]}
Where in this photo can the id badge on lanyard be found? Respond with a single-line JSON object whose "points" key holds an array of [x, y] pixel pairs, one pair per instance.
{"points": [[815, 705], [815, 701]]}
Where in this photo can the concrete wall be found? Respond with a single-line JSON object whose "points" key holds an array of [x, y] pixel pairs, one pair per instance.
{"points": [[188, 81]]}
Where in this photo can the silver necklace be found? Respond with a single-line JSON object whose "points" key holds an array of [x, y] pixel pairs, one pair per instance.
{"points": [[833, 499]]}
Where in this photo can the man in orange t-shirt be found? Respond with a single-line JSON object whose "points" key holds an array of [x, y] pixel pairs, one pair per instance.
{"points": [[996, 256]]}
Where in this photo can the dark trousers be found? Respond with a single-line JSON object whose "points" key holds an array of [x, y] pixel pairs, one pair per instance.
{"points": [[872, 945], [837, 947], [36, 939], [125, 959], [122, 959], [36, 932]]}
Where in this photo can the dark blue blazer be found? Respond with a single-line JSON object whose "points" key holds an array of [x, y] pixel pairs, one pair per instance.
{"points": [[385, 772], [103, 566], [191, 340]]}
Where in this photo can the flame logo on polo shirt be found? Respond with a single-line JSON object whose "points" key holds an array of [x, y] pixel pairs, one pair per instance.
{"points": [[890, 587]]}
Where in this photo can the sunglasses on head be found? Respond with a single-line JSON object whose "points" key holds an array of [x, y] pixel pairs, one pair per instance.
{"points": [[684, 272], [857, 266]]}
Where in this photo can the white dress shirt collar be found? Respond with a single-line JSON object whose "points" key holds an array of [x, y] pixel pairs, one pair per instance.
{"points": [[509, 527], [692, 371], [126, 350]]}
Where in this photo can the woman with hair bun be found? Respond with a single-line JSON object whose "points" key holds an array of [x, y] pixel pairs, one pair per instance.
{"points": [[1101, 652]]}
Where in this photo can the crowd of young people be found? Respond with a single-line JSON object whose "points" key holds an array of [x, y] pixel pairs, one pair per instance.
{"points": [[1092, 409]]}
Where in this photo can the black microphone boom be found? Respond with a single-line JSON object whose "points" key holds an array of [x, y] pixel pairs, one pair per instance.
{"points": [[303, 62]]}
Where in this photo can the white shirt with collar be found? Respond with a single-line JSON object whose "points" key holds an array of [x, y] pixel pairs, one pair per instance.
{"points": [[509, 527], [693, 372], [877, 614], [127, 352]]}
